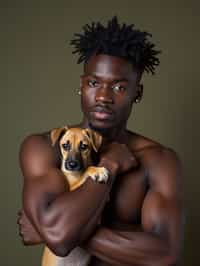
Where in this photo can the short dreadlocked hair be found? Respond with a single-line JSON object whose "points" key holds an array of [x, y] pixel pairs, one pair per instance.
{"points": [[122, 41]]}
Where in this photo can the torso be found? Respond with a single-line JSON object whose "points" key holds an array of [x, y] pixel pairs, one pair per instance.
{"points": [[123, 211]]}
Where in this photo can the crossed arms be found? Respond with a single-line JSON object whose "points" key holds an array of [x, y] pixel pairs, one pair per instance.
{"points": [[63, 220]]}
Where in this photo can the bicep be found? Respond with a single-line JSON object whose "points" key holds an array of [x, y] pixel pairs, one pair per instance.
{"points": [[42, 180], [163, 217], [162, 211]]}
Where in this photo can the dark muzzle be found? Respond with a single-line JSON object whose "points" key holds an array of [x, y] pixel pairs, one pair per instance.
{"points": [[73, 165]]}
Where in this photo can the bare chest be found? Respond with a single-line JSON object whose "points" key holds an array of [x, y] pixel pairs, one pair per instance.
{"points": [[126, 199]]}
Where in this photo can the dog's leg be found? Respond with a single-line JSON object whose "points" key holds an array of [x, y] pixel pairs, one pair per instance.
{"points": [[49, 259], [77, 257], [98, 174]]}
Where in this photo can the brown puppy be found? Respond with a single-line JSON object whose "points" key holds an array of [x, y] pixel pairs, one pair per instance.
{"points": [[76, 145]]}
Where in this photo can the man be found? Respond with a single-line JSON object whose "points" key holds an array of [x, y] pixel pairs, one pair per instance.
{"points": [[142, 224]]}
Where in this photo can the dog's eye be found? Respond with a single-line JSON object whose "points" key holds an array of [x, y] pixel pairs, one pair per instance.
{"points": [[83, 146], [66, 146]]}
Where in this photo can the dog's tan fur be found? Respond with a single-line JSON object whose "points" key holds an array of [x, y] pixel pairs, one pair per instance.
{"points": [[92, 140]]}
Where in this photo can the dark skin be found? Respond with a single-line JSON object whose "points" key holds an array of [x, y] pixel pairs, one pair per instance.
{"points": [[142, 224]]}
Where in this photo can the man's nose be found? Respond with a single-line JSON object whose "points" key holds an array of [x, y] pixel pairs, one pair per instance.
{"points": [[104, 94]]}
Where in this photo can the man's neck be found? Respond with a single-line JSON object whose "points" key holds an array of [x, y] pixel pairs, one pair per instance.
{"points": [[119, 134]]}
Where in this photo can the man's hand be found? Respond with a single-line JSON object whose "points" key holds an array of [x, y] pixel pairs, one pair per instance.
{"points": [[118, 157], [26, 230]]}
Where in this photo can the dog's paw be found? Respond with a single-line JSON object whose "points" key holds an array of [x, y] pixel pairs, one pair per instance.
{"points": [[98, 174]]}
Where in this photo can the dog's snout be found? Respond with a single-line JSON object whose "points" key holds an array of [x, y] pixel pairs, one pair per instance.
{"points": [[72, 165]]}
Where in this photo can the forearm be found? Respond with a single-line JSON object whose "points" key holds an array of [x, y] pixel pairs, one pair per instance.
{"points": [[61, 222], [30, 235], [129, 248]]}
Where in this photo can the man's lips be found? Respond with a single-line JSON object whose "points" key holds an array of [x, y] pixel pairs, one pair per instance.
{"points": [[101, 115], [100, 112]]}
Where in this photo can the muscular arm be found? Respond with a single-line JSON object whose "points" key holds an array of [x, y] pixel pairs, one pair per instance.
{"points": [[158, 243], [58, 216]]}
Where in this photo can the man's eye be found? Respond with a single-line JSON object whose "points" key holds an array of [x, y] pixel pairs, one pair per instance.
{"points": [[66, 146], [83, 146], [118, 88], [92, 83]]}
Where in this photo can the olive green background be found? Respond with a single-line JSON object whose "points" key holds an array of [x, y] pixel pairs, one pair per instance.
{"points": [[39, 78]]}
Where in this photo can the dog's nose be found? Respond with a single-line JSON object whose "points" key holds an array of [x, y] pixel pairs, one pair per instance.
{"points": [[72, 165]]}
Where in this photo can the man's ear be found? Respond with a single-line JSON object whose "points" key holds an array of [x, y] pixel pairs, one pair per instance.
{"points": [[94, 138], [56, 133]]}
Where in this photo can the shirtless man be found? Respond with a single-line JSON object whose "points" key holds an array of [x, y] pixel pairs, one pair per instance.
{"points": [[142, 224]]}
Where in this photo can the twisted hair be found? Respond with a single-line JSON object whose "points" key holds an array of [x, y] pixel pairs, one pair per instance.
{"points": [[122, 41]]}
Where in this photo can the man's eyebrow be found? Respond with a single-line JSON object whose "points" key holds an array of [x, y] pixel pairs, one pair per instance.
{"points": [[97, 77]]}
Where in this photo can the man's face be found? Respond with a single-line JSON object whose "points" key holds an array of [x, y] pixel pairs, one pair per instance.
{"points": [[109, 86]]}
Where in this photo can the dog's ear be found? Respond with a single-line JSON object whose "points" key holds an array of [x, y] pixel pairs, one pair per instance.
{"points": [[56, 134], [95, 138]]}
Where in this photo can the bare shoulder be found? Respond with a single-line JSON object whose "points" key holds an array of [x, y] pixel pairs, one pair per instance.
{"points": [[35, 141], [36, 154], [151, 151], [162, 164]]}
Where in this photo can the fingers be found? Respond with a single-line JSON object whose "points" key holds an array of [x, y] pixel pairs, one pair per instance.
{"points": [[121, 155], [24, 235], [19, 219], [20, 214], [20, 223]]}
